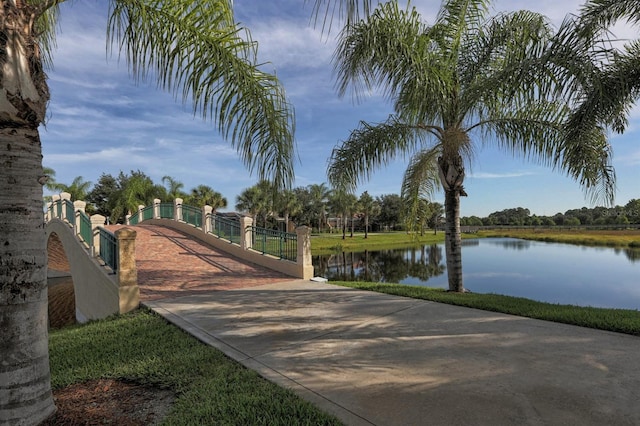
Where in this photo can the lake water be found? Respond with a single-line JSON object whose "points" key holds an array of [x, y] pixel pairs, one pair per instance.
{"points": [[549, 272]]}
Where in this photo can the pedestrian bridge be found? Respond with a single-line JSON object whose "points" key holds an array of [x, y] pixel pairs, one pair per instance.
{"points": [[164, 250]]}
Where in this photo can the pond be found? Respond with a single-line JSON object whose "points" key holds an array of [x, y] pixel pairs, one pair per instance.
{"points": [[548, 272]]}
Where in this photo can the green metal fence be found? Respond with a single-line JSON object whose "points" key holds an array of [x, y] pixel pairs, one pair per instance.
{"points": [[147, 213], [166, 211], [223, 227], [133, 220], [276, 243], [69, 211], [85, 229], [109, 249], [58, 207], [192, 215]]}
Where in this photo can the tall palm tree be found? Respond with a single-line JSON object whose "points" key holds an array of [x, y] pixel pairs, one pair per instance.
{"points": [[194, 49], [342, 205], [173, 187], [465, 81]]}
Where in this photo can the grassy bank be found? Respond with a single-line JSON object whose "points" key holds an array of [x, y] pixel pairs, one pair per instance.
{"points": [[143, 348], [610, 238], [330, 243], [618, 320]]}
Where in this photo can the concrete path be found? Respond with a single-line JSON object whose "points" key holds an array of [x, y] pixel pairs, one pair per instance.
{"points": [[377, 359]]}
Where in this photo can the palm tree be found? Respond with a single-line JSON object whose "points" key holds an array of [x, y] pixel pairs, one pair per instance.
{"points": [[319, 196], [465, 81], [203, 195], [342, 204], [288, 204], [257, 200], [173, 188], [194, 49], [79, 189], [369, 208]]}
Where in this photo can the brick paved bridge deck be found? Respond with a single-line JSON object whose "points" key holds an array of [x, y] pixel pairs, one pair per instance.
{"points": [[171, 263]]}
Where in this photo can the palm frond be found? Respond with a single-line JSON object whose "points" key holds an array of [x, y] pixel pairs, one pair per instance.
{"points": [[379, 52], [369, 147], [421, 179], [46, 19], [194, 50], [456, 20], [347, 11], [604, 13]]}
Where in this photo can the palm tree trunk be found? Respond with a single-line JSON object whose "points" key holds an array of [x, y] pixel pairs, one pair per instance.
{"points": [[451, 170], [453, 240], [25, 385], [24, 371], [366, 226]]}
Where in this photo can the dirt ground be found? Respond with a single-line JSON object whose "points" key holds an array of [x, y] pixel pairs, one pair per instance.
{"points": [[105, 401]]}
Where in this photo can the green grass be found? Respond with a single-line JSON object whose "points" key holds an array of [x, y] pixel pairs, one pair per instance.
{"points": [[612, 238], [331, 243], [211, 389], [619, 320]]}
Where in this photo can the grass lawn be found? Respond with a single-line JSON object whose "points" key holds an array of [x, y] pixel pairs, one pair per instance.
{"points": [[331, 243], [143, 348], [587, 237]]}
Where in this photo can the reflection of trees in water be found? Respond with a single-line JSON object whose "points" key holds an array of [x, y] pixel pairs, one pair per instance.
{"points": [[382, 266], [632, 253], [512, 244]]}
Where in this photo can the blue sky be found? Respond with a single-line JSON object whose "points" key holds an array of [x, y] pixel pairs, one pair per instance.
{"points": [[100, 121]]}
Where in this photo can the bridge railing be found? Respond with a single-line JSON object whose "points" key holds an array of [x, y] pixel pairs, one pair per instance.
{"points": [[240, 232], [88, 229]]}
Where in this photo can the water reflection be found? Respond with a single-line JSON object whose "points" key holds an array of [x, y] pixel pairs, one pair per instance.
{"points": [[382, 266], [550, 272]]}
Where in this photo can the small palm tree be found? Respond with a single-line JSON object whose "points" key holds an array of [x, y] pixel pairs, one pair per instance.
{"points": [[467, 80], [203, 195], [369, 208], [288, 204], [173, 188], [79, 188]]}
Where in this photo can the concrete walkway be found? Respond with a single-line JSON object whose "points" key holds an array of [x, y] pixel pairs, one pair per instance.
{"points": [[377, 359]]}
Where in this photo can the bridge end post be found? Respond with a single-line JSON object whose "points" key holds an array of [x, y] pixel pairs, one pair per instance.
{"points": [[128, 290], [303, 258]]}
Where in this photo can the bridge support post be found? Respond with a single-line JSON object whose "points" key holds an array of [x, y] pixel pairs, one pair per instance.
{"points": [[129, 292], [245, 239], [177, 209], [303, 258], [207, 219], [78, 206], [96, 222], [65, 196], [156, 208]]}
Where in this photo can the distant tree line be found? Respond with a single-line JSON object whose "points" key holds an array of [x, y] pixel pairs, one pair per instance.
{"points": [[618, 215], [321, 208]]}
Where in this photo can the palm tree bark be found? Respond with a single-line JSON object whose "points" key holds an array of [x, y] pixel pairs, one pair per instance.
{"points": [[25, 385], [452, 177]]}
